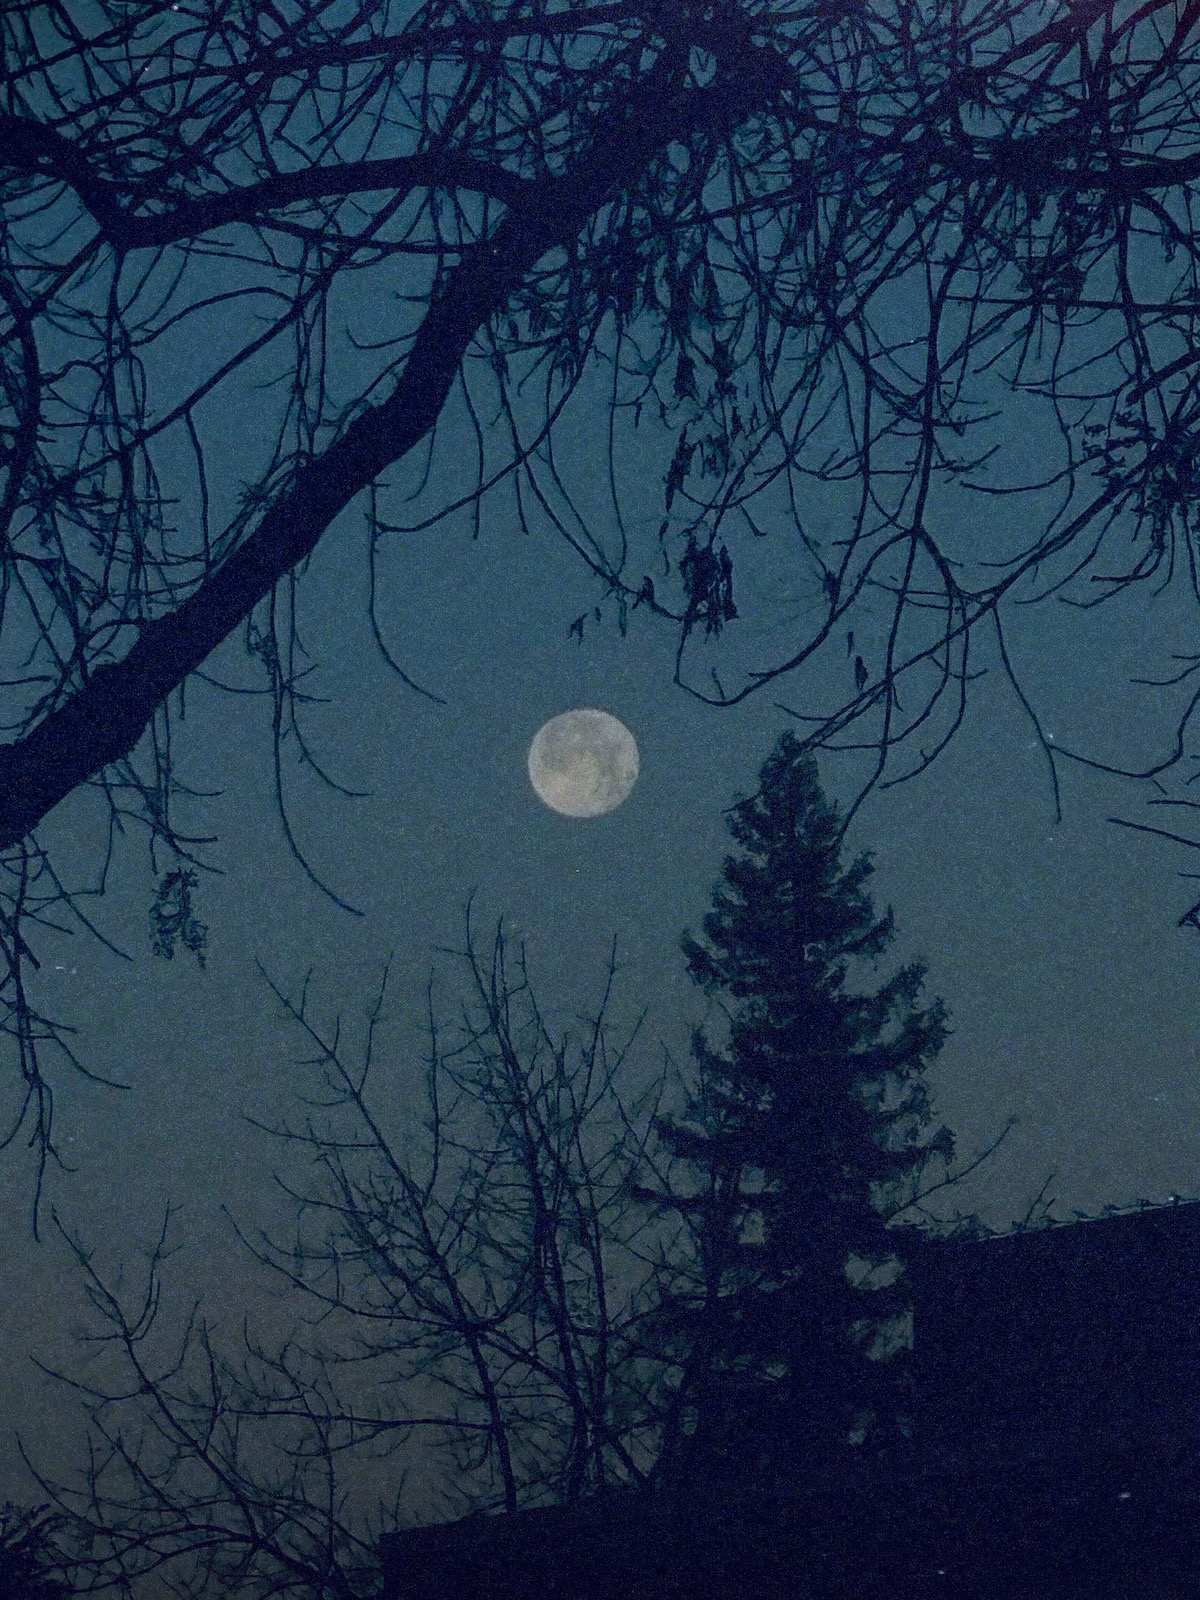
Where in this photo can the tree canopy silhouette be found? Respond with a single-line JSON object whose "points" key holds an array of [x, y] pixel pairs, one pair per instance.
{"points": [[28, 1569], [469, 1285], [805, 1122], [818, 249]]}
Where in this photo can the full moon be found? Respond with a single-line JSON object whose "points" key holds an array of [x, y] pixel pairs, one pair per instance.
{"points": [[583, 763]]}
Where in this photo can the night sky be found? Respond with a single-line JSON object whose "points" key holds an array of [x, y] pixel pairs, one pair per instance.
{"points": [[1071, 990]]}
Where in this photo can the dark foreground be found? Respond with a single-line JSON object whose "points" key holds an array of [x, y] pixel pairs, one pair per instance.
{"points": [[1104, 1530]]}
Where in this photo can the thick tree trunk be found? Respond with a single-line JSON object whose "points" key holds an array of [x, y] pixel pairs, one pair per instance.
{"points": [[102, 721]]}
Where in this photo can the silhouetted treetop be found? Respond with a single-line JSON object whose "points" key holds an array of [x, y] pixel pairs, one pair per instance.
{"points": [[805, 1124], [786, 890]]}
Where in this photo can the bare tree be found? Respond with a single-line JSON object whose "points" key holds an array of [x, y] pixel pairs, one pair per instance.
{"points": [[200, 1471], [822, 247], [498, 1243], [478, 1286]]}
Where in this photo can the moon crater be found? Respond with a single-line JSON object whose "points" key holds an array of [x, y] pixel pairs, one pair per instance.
{"points": [[583, 763]]}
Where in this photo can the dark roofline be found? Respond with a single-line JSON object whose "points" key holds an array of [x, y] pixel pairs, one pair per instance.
{"points": [[970, 1231]]}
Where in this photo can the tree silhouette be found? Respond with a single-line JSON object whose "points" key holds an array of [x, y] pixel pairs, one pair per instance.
{"points": [[31, 1565], [474, 1288], [817, 249], [805, 1127]]}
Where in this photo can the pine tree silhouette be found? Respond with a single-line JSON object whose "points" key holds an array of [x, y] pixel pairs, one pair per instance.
{"points": [[799, 1125]]}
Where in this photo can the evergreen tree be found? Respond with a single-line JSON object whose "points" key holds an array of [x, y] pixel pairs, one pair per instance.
{"points": [[798, 1127], [28, 1556]]}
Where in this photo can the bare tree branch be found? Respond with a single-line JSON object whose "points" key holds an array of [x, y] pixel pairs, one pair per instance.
{"points": [[829, 251]]}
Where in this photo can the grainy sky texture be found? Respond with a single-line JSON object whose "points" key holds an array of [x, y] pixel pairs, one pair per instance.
{"points": [[1072, 992]]}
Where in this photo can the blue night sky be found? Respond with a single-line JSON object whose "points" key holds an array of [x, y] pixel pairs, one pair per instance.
{"points": [[1072, 992]]}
